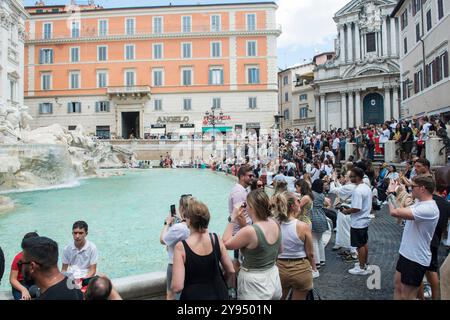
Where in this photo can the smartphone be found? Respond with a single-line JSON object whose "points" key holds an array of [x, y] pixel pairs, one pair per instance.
{"points": [[244, 205], [173, 210]]}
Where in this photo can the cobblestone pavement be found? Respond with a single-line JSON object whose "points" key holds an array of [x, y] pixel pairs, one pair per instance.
{"points": [[335, 283]]}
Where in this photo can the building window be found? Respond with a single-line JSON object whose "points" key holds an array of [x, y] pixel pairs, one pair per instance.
{"points": [[405, 45], [304, 112], [216, 103], [186, 24], [251, 22], [371, 42], [12, 89], [286, 114], [46, 81], [45, 56], [187, 50], [74, 107], [285, 80], [158, 104], [158, 25], [102, 79], [418, 32], [75, 54], [215, 23], [416, 6], [429, 74], [444, 64], [71, 128], [102, 53], [440, 4], [74, 80], [157, 51], [253, 75], [286, 96], [303, 97], [45, 108], [47, 34], [129, 52], [404, 19], [418, 81], [252, 103], [102, 28], [429, 21], [187, 104], [216, 49], [129, 27], [103, 132], [216, 76], [186, 77], [75, 29], [251, 48], [129, 78], [102, 106], [157, 77]]}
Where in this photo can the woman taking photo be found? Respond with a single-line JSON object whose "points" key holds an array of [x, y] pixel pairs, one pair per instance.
{"points": [[196, 271], [171, 234], [259, 243], [294, 263]]}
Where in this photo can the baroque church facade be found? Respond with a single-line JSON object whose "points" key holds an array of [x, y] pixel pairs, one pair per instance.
{"points": [[362, 84]]}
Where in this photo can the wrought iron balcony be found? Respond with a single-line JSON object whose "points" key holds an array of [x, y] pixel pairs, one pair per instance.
{"points": [[136, 92]]}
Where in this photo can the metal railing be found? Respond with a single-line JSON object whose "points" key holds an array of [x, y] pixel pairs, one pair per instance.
{"points": [[128, 89]]}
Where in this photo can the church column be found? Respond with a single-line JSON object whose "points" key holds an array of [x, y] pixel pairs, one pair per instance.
{"points": [[344, 110], [357, 43], [363, 46], [349, 43], [396, 109], [342, 43], [385, 37], [323, 125], [358, 108], [351, 110], [393, 38], [387, 104], [317, 111]]}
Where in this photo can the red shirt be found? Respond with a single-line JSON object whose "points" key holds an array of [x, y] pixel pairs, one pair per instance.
{"points": [[15, 266]]}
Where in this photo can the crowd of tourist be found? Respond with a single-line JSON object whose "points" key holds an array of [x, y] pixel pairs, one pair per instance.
{"points": [[276, 236]]}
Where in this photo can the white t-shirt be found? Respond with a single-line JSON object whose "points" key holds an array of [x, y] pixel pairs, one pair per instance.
{"points": [[290, 183], [385, 136], [336, 142], [361, 199], [176, 233], [418, 233], [79, 261], [426, 131]]}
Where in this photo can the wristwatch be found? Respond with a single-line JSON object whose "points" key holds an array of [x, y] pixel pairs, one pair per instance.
{"points": [[165, 223], [229, 219]]}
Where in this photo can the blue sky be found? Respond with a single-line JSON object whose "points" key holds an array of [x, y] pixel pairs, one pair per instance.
{"points": [[307, 25]]}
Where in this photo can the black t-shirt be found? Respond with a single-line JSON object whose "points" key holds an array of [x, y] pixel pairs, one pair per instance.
{"points": [[61, 291], [444, 214], [405, 132], [2, 264]]}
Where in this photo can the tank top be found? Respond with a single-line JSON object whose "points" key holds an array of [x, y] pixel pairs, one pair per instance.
{"points": [[293, 247], [201, 277], [305, 214], [264, 256]]}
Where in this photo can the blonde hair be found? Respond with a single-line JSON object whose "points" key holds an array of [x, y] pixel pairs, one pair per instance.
{"points": [[280, 187], [259, 201], [281, 205], [198, 214], [184, 203]]}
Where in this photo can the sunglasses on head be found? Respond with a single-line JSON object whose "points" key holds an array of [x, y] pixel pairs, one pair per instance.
{"points": [[186, 195]]}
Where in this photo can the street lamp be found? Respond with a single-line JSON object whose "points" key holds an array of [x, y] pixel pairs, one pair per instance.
{"points": [[211, 118]]}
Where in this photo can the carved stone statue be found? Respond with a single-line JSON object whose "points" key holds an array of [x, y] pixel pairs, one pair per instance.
{"points": [[370, 17]]}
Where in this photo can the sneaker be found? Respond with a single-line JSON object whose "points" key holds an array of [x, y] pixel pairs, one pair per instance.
{"points": [[315, 274], [427, 291], [358, 271], [344, 253], [335, 248], [350, 258], [322, 263], [372, 216]]}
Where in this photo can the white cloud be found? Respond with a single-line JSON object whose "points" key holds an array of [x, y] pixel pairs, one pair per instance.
{"points": [[307, 23]]}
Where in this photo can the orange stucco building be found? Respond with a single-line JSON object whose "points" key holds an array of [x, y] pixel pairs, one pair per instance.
{"points": [[152, 70]]}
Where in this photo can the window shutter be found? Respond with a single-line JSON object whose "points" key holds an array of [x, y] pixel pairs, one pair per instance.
{"points": [[97, 106], [51, 56], [416, 82], [107, 106], [68, 107], [51, 108], [78, 107], [221, 77], [40, 107], [41, 56], [210, 80], [445, 62]]}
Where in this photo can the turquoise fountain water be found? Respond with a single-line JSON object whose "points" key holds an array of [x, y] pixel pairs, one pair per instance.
{"points": [[125, 216]]}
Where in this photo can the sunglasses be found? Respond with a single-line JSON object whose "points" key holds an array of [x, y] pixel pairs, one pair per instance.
{"points": [[21, 263], [186, 195]]}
